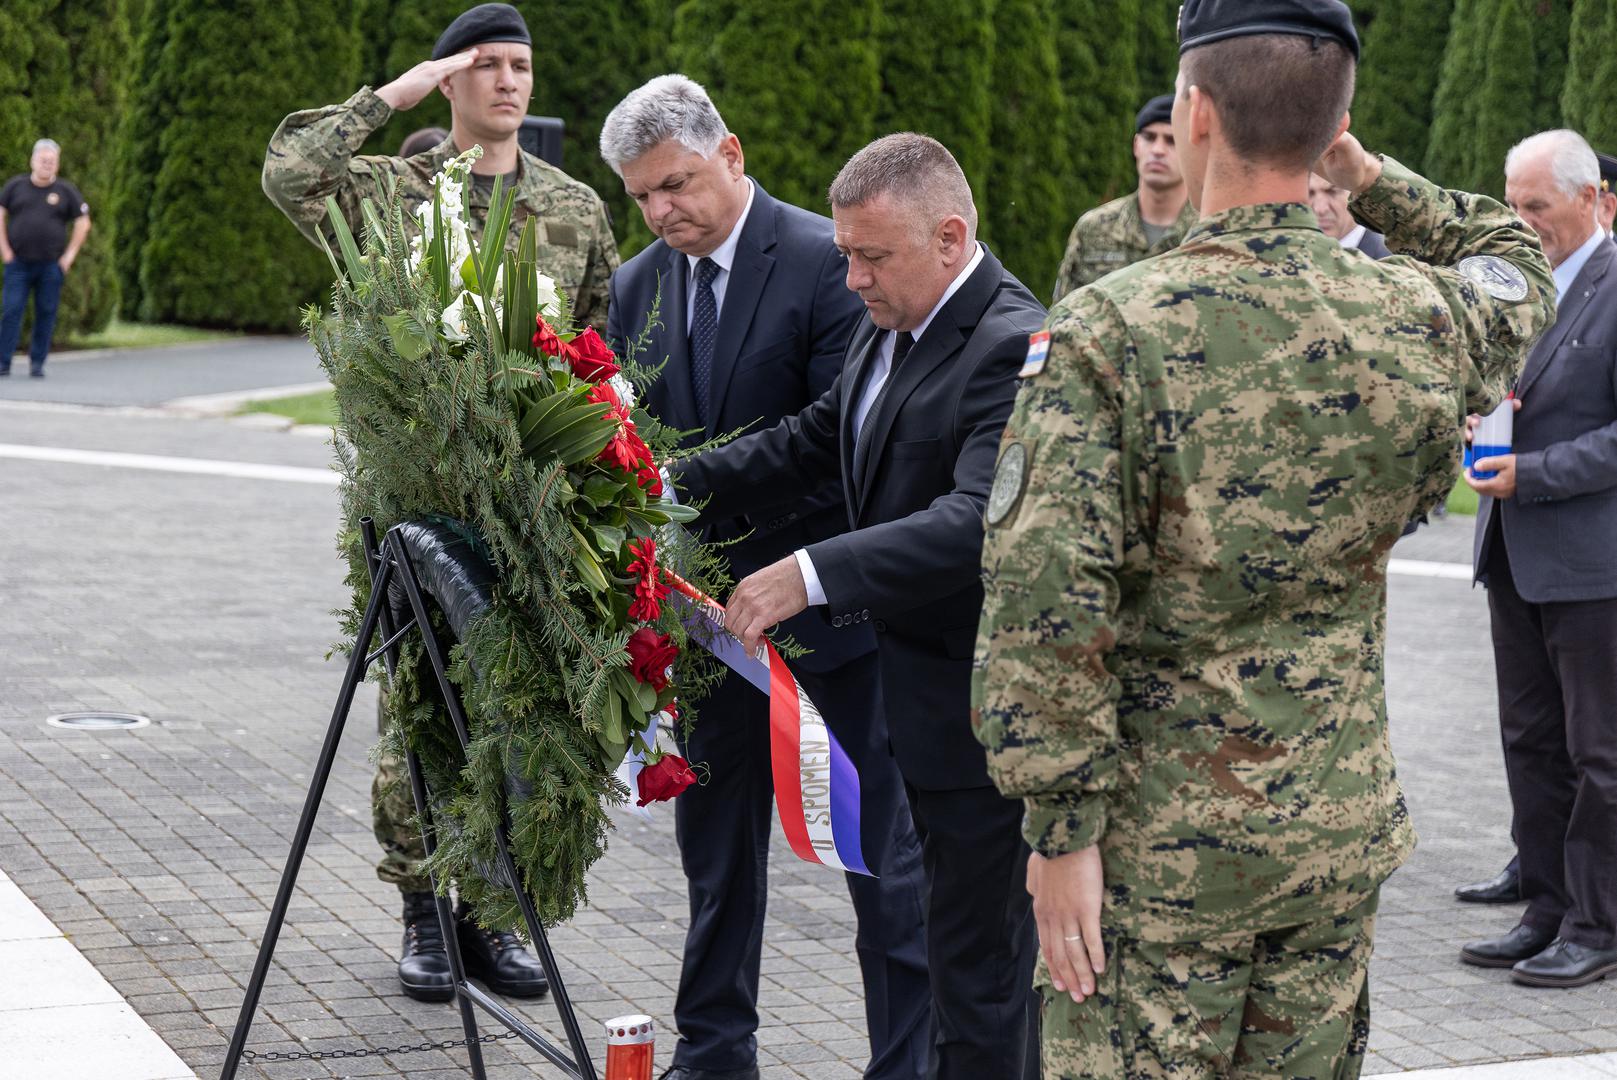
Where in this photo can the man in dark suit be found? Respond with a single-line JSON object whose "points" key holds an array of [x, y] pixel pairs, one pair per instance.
{"points": [[1330, 205], [1544, 549], [753, 320], [910, 431]]}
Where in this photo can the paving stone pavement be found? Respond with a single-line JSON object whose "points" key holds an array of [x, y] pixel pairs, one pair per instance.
{"points": [[204, 603]]}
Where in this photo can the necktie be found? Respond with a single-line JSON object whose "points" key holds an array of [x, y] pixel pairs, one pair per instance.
{"points": [[901, 349], [704, 332]]}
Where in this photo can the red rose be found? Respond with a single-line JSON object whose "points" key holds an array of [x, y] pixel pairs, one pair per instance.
{"points": [[664, 778], [650, 653], [592, 361], [546, 341]]}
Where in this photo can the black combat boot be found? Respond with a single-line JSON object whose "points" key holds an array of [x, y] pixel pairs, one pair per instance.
{"points": [[424, 968], [498, 959]]}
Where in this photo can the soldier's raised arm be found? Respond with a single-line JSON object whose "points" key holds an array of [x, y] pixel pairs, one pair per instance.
{"points": [[1486, 261], [311, 155]]}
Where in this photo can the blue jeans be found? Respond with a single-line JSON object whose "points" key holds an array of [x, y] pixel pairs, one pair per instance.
{"points": [[44, 280]]}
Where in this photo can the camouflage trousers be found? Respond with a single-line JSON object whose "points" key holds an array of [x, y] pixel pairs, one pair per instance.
{"points": [[1292, 1004], [393, 819]]}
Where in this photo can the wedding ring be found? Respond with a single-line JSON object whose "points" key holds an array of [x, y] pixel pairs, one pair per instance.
{"points": [[1073, 937]]}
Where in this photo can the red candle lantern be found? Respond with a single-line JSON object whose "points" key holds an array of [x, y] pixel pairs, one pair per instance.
{"points": [[630, 1047]]}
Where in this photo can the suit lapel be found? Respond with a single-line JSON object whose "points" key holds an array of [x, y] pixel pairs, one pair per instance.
{"points": [[941, 341], [676, 375], [1567, 315], [748, 274]]}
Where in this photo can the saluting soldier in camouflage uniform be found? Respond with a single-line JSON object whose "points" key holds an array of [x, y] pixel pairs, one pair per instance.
{"points": [[488, 81], [483, 63], [1147, 221], [1179, 668]]}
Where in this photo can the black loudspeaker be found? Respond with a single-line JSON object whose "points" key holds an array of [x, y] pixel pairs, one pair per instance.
{"points": [[541, 137]]}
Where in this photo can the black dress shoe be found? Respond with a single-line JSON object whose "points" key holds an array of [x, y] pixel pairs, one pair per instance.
{"points": [[424, 968], [685, 1072], [498, 958], [1507, 951], [1566, 964], [1504, 889]]}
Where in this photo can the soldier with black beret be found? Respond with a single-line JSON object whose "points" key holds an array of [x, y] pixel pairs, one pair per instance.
{"points": [[1606, 205], [1145, 222], [483, 63]]}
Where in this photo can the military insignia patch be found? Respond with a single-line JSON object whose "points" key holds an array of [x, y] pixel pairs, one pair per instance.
{"points": [[1009, 477], [1038, 348], [1498, 277], [53, 198]]}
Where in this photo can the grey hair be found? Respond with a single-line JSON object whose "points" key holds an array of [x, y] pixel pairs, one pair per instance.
{"points": [[1572, 160], [667, 107], [45, 144], [914, 169]]}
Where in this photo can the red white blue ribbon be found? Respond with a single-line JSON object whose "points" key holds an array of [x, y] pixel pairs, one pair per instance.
{"points": [[816, 784]]}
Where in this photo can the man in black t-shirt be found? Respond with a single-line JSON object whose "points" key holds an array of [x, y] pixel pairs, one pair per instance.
{"points": [[35, 245]]}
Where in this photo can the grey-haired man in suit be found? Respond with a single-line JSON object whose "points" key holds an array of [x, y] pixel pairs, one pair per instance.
{"points": [[1544, 548]]}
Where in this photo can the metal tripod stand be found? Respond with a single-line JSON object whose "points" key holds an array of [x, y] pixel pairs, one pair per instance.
{"points": [[388, 562]]}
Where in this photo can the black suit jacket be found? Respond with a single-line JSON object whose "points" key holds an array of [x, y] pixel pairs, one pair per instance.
{"points": [[911, 565], [1559, 525], [783, 327], [1373, 245]]}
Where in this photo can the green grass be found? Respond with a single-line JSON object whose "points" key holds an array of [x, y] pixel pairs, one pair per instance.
{"points": [[1462, 500], [317, 408], [130, 335]]}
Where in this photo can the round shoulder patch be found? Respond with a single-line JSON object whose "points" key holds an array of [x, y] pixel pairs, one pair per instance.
{"points": [[1499, 277], [1009, 477]]}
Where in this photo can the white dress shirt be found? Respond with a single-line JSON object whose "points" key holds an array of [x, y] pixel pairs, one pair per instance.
{"points": [[1354, 238], [724, 256], [1567, 272], [879, 370]]}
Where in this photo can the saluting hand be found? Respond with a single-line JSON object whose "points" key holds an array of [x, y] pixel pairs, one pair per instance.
{"points": [[1347, 164], [765, 598], [406, 91]]}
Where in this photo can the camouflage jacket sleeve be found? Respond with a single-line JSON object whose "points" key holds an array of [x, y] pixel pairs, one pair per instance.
{"points": [[1487, 263], [1067, 277], [1044, 704], [311, 156], [594, 297]]}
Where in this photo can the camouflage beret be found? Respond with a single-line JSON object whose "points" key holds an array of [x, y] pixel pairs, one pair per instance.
{"points": [[480, 25], [1202, 22]]}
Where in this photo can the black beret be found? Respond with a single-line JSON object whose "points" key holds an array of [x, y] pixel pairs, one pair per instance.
{"points": [[1202, 22], [480, 25], [1608, 171], [1159, 110]]}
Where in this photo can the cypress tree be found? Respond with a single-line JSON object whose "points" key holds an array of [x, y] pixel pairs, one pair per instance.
{"points": [[138, 156], [1096, 40], [1551, 27], [1505, 100], [801, 80], [218, 253], [957, 111], [1392, 108], [1157, 45], [1025, 204], [1450, 151], [1591, 78]]}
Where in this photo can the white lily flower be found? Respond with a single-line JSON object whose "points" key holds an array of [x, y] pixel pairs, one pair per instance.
{"points": [[549, 299], [455, 327]]}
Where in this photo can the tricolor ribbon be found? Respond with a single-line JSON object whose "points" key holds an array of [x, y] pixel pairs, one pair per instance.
{"points": [[816, 785]]}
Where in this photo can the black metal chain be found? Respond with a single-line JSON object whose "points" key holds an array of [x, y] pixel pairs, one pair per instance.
{"points": [[322, 1055]]}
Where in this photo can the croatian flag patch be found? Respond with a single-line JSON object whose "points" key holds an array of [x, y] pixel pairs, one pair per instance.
{"points": [[1038, 348]]}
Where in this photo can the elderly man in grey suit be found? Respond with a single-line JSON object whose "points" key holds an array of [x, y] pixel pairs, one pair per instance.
{"points": [[1544, 547]]}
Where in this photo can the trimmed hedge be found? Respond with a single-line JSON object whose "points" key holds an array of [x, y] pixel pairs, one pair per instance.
{"points": [[1591, 79], [1392, 108]]}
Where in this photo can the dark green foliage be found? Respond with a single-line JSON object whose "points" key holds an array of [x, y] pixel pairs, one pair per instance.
{"points": [[1026, 207], [218, 253], [957, 111], [64, 81], [1392, 108], [1450, 152], [150, 106], [1095, 48], [1157, 47], [1591, 79], [1550, 23], [1505, 99], [799, 80]]}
